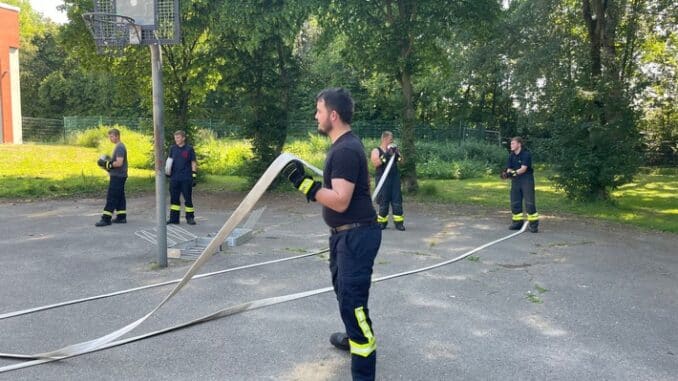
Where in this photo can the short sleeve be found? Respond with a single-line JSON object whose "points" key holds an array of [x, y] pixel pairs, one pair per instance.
{"points": [[527, 159], [191, 155], [119, 151], [345, 165]]}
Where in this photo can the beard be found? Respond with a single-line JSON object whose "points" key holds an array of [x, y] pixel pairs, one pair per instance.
{"points": [[324, 127]]}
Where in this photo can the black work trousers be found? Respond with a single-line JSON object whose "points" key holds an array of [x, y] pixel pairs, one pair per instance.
{"points": [[522, 188], [390, 195], [352, 254], [177, 189], [115, 197]]}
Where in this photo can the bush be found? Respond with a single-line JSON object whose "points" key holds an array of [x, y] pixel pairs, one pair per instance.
{"points": [[458, 169], [312, 149], [139, 146], [222, 156], [450, 151]]}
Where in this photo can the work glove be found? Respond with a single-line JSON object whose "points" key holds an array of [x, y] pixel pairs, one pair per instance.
{"points": [[393, 150], [294, 171], [504, 175], [105, 162], [511, 172], [194, 176]]}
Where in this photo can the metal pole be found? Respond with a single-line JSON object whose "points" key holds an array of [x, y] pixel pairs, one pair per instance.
{"points": [[159, 148]]}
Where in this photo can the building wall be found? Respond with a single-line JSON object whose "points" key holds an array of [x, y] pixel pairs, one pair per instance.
{"points": [[10, 101]]}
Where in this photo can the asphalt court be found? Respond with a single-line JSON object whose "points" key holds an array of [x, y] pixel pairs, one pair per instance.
{"points": [[579, 300]]}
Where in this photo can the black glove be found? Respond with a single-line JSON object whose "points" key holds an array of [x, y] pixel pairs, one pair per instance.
{"points": [[511, 172], [504, 175], [295, 172], [194, 176], [105, 162], [393, 150]]}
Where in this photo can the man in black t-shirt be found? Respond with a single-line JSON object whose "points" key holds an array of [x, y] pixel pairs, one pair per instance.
{"points": [[183, 173], [355, 236], [117, 172], [519, 170]]}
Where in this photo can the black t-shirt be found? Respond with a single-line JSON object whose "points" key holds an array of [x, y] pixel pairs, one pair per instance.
{"points": [[346, 160], [119, 151], [181, 164], [523, 158]]}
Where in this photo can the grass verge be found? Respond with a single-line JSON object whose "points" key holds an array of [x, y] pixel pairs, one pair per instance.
{"points": [[649, 202]]}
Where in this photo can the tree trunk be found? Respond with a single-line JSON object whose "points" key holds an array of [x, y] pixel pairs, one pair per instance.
{"points": [[409, 149]]}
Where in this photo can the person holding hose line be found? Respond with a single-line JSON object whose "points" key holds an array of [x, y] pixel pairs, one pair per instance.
{"points": [[355, 236]]}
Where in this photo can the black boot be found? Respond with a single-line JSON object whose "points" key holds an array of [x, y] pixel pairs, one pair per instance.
{"points": [[340, 341], [400, 226], [382, 225], [104, 221], [174, 217], [516, 225], [533, 226], [120, 219], [190, 220]]}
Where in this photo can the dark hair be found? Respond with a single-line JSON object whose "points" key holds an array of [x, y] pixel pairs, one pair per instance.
{"points": [[338, 99], [114, 131], [517, 139], [180, 132]]}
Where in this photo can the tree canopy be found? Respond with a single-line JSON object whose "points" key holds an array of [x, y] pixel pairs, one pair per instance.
{"points": [[590, 84]]}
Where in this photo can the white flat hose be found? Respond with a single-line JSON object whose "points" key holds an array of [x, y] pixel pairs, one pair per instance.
{"points": [[109, 340], [256, 304]]}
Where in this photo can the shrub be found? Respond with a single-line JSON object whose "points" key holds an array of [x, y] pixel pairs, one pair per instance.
{"points": [[450, 151], [222, 156], [139, 146], [89, 138], [312, 149], [457, 169]]}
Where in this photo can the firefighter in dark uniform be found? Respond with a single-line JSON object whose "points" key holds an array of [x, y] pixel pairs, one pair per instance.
{"points": [[116, 165], [390, 193], [183, 174], [519, 170], [355, 236]]}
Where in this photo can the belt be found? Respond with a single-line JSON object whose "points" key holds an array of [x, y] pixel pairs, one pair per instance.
{"points": [[354, 225]]}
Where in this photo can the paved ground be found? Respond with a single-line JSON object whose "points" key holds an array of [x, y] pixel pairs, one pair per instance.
{"points": [[578, 301]]}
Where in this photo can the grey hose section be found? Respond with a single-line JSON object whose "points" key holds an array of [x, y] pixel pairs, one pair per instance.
{"points": [[141, 288], [383, 177], [233, 310], [234, 220]]}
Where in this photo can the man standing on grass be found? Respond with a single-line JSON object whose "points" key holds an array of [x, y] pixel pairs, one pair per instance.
{"points": [[519, 170], [355, 236], [390, 193], [117, 172], [182, 175]]}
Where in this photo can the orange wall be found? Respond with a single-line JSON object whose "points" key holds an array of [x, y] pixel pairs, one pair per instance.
{"points": [[9, 37]]}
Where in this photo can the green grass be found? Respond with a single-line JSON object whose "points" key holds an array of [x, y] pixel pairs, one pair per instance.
{"points": [[46, 171], [33, 171], [649, 202]]}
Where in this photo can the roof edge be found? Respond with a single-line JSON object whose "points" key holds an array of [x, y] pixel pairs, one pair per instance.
{"points": [[9, 7]]}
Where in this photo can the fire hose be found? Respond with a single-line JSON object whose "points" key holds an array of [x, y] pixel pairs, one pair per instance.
{"points": [[111, 339]]}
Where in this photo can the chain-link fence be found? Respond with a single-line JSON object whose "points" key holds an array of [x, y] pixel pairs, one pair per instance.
{"points": [[58, 130], [42, 130]]}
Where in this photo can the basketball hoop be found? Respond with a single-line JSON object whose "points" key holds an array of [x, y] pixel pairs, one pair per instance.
{"points": [[112, 32]]}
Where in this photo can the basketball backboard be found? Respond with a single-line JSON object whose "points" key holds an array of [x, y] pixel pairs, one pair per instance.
{"points": [[158, 20]]}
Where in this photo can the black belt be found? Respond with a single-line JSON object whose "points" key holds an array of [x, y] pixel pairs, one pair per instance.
{"points": [[354, 225]]}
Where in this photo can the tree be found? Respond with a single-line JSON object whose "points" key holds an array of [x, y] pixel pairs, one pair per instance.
{"points": [[397, 38], [259, 71]]}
